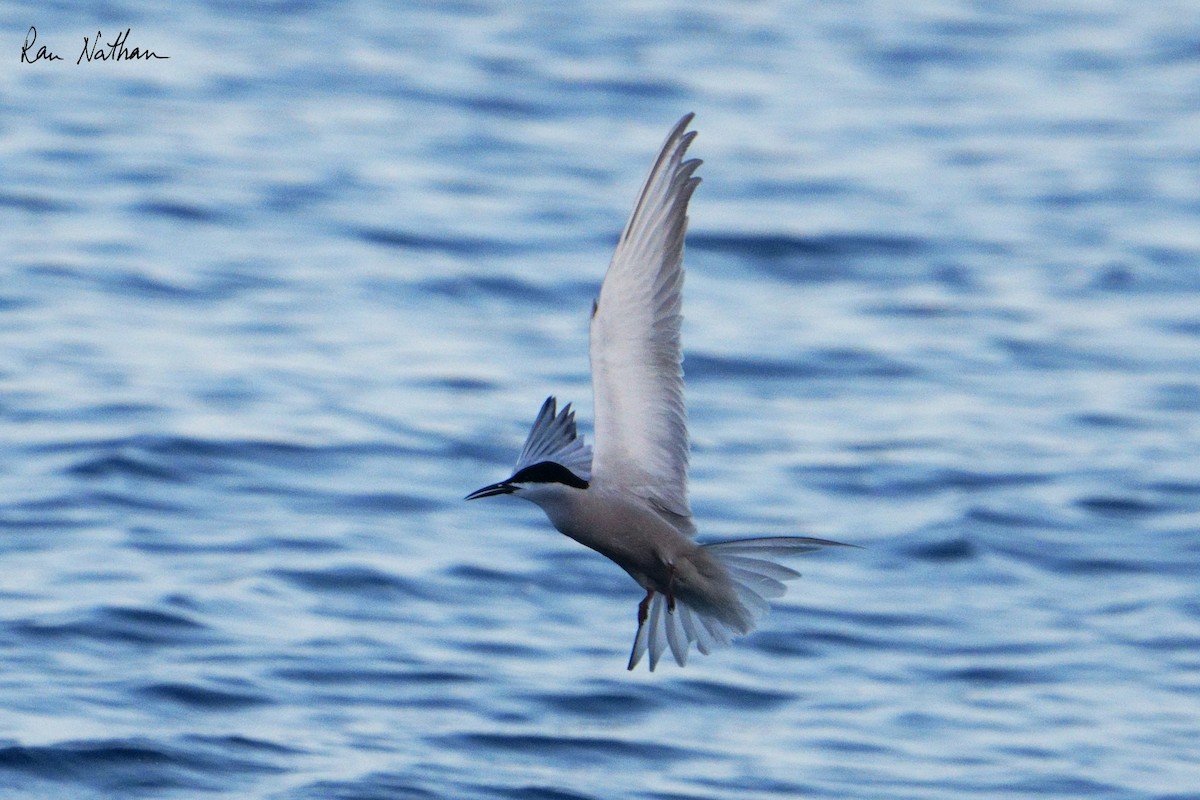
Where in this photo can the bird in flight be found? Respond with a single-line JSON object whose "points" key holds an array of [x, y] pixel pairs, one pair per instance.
{"points": [[628, 500]]}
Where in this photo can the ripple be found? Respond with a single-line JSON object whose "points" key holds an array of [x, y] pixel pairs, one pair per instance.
{"points": [[780, 246], [136, 765], [204, 698], [352, 580], [123, 465], [500, 287], [1056, 356], [953, 549], [825, 364], [728, 695], [598, 703], [456, 245], [181, 211], [584, 749], [34, 203], [1118, 506], [137, 626], [338, 676], [1007, 676], [907, 480], [371, 787]]}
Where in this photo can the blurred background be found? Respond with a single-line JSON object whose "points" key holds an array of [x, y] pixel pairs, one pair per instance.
{"points": [[270, 307]]}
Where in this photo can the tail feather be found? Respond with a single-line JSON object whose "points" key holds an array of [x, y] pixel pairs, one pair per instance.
{"points": [[755, 581], [639, 645], [664, 630], [656, 632], [772, 546], [695, 632], [716, 631], [764, 585], [677, 636], [760, 567], [751, 599]]}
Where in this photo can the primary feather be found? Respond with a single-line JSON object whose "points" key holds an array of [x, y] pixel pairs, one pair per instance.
{"points": [[641, 441]]}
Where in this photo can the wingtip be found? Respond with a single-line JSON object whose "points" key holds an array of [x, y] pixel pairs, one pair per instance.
{"points": [[685, 136], [681, 132], [831, 543]]}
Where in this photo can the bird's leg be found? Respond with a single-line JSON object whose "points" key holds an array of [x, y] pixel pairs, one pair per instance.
{"points": [[644, 607], [671, 590]]}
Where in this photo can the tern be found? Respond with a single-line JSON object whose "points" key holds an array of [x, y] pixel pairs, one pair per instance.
{"points": [[627, 499]]}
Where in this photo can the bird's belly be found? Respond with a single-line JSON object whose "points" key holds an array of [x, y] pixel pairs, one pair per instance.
{"points": [[654, 553], [636, 539]]}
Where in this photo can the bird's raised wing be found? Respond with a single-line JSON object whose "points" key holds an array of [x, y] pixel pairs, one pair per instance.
{"points": [[553, 438], [641, 442]]}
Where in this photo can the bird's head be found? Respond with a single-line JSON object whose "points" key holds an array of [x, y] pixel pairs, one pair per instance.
{"points": [[532, 481], [553, 461]]}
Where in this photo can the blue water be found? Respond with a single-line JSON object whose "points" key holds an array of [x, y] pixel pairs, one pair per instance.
{"points": [[272, 306]]}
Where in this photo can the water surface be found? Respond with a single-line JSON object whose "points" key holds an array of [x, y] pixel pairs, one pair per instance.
{"points": [[274, 305]]}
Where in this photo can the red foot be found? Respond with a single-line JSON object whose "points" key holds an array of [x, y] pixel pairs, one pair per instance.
{"points": [[671, 591], [644, 607]]}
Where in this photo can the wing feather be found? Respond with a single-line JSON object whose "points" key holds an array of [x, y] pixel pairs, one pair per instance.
{"points": [[641, 441], [553, 438]]}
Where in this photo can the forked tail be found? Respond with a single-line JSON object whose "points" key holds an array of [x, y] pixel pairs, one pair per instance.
{"points": [[757, 579]]}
